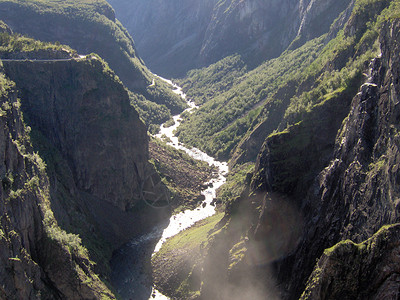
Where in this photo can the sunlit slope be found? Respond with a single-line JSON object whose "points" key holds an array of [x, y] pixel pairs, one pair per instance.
{"points": [[238, 115], [224, 119]]}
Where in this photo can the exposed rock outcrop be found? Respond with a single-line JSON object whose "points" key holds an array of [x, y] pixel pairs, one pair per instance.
{"points": [[38, 260], [369, 270], [94, 141], [86, 115], [169, 34], [357, 193], [324, 180]]}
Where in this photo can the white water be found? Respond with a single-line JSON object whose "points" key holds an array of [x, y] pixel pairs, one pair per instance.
{"points": [[129, 274], [188, 217]]}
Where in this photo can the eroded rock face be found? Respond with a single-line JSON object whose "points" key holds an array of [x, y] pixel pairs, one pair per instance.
{"points": [[250, 28], [23, 224], [94, 143], [357, 193], [88, 117], [342, 180], [369, 270], [37, 259], [168, 34]]}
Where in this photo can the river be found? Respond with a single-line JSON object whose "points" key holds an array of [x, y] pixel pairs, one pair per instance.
{"points": [[131, 268]]}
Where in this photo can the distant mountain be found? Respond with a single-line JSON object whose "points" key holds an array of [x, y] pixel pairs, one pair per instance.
{"points": [[176, 36]]}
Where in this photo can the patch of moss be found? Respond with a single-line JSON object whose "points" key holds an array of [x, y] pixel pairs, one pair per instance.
{"points": [[237, 253]]}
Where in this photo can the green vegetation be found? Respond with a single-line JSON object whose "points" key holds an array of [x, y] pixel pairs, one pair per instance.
{"points": [[183, 254], [6, 86], [295, 82], [92, 14], [162, 94], [355, 259], [11, 44], [72, 241], [151, 113], [329, 96], [183, 175], [378, 165], [220, 123], [90, 26], [236, 182], [237, 253], [190, 239], [205, 84]]}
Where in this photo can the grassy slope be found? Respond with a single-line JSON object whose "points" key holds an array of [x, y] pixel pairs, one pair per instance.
{"points": [[205, 84], [221, 122]]}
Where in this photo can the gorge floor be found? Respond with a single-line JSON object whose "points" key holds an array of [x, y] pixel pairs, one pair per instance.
{"points": [[131, 264]]}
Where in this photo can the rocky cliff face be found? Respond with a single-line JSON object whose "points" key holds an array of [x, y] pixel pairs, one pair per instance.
{"points": [[94, 180], [324, 188], [192, 34], [368, 270], [358, 191], [168, 34], [356, 194], [88, 117], [93, 140], [38, 259]]}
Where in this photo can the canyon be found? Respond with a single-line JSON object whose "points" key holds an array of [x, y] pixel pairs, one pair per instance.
{"points": [[298, 98]]}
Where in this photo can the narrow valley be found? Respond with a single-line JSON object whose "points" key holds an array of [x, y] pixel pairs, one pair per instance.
{"points": [[131, 271], [266, 167]]}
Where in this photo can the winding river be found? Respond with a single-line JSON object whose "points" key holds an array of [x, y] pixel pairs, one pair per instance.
{"points": [[131, 268]]}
